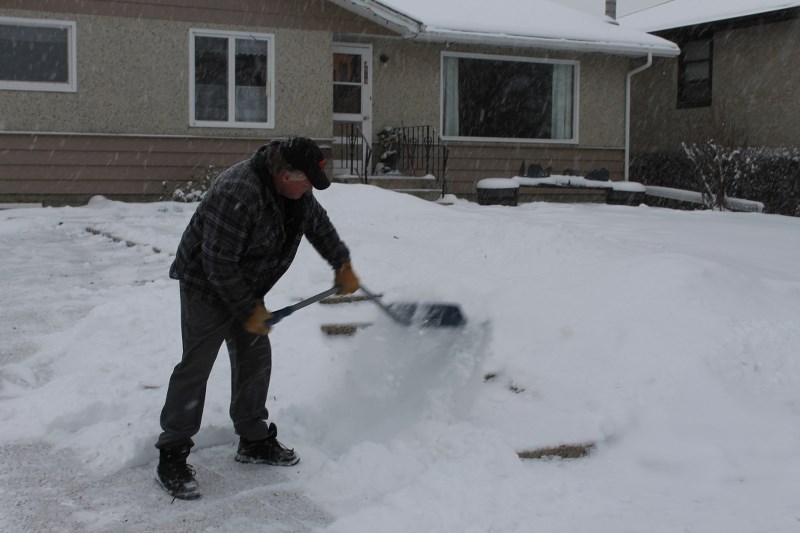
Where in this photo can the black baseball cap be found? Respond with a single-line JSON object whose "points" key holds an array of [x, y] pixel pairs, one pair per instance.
{"points": [[304, 155]]}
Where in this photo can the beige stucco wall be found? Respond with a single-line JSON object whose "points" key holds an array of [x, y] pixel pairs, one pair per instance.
{"points": [[147, 92], [132, 79], [755, 100], [409, 86], [602, 106]]}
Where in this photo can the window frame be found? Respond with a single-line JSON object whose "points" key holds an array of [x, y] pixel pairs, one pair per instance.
{"points": [[682, 102], [231, 36], [519, 59], [71, 85]]}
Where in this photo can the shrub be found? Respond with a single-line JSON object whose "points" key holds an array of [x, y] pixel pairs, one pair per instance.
{"points": [[768, 175], [192, 190]]}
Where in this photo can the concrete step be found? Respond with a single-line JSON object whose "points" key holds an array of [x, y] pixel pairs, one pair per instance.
{"points": [[425, 188], [425, 194], [402, 182]]}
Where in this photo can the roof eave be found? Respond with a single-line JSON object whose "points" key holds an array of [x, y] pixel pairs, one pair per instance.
{"points": [[668, 49], [410, 28], [382, 15], [710, 19]]}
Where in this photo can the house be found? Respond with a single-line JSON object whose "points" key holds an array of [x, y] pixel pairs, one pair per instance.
{"points": [[735, 80], [131, 98]]}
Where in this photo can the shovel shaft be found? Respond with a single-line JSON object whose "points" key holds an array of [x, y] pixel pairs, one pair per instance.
{"points": [[385, 308], [282, 313]]}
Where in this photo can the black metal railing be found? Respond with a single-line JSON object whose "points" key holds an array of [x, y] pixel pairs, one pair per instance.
{"points": [[352, 150], [422, 152]]}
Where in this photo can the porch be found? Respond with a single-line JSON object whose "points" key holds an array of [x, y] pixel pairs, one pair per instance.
{"points": [[410, 159], [416, 160]]}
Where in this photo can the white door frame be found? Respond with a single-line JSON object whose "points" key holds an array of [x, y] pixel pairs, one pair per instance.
{"points": [[365, 117]]}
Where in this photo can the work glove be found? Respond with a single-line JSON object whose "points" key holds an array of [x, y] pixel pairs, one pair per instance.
{"points": [[346, 279], [255, 323]]}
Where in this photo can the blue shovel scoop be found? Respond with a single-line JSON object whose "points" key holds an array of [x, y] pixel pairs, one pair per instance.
{"points": [[432, 315]]}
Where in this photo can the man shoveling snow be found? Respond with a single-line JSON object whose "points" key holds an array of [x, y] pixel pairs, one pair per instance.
{"points": [[240, 241]]}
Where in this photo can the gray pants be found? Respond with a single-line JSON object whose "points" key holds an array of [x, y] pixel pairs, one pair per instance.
{"points": [[204, 327]]}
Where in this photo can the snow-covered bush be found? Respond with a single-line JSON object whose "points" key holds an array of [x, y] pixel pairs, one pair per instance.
{"points": [[768, 175], [717, 168], [192, 190]]}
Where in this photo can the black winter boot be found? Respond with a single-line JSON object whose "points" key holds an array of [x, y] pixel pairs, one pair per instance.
{"points": [[266, 451], [175, 476]]}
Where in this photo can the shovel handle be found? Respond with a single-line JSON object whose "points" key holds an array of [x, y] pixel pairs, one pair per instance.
{"points": [[282, 313]]}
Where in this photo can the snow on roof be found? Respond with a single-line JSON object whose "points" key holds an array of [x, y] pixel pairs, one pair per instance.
{"points": [[680, 13], [522, 23]]}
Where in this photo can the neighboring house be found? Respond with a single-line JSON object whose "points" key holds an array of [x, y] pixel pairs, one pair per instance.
{"points": [[736, 80], [129, 98]]}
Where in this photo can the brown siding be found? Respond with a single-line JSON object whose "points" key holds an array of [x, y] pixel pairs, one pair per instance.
{"points": [[71, 168], [469, 163], [299, 14]]}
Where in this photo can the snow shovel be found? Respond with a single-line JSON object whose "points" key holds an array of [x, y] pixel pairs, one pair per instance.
{"points": [[280, 314], [428, 315]]}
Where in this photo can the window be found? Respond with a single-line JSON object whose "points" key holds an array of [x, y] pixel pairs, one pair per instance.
{"points": [[347, 83], [37, 55], [508, 98], [232, 79], [694, 73]]}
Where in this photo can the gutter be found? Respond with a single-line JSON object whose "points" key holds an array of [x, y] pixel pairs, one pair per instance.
{"points": [[383, 15], [406, 26], [440, 35], [628, 110]]}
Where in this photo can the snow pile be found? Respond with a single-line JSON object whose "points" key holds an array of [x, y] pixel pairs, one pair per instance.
{"points": [[666, 338]]}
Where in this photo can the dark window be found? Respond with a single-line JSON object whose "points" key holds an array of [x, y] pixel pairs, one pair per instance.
{"points": [[508, 99], [35, 56], [251, 80], [694, 73], [232, 79], [211, 78]]}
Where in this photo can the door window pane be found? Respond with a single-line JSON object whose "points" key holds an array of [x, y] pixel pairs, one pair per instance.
{"points": [[347, 83], [347, 68], [347, 99]]}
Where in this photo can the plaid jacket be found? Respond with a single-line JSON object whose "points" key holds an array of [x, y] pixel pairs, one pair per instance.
{"points": [[244, 236]]}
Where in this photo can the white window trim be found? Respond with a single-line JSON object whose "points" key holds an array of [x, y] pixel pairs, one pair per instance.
{"points": [[231, 122], [71, 85], [575, 98]]}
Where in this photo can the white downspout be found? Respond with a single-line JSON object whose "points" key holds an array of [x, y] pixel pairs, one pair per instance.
{"points": [[628, 110]]}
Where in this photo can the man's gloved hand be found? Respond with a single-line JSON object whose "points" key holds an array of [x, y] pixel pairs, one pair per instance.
{"points": [[346, 279], [255, 322]]}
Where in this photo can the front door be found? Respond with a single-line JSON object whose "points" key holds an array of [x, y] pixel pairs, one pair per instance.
{"points": [[352, 104]]}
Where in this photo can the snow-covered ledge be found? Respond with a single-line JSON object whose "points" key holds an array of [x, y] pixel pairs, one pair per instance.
{"points": [[680, 195], [498, 191], [605, 191]]}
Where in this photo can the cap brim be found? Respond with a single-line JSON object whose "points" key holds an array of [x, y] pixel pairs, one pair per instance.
{"points": [[319, 179]]}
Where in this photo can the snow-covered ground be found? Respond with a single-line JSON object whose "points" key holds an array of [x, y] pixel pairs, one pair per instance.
{"points": [[668, 338]]}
